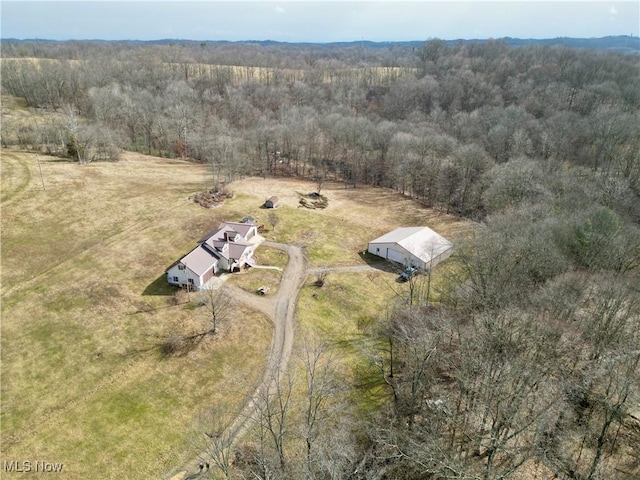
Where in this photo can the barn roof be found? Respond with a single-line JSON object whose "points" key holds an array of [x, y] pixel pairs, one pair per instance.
{"points": [[422, 242]]}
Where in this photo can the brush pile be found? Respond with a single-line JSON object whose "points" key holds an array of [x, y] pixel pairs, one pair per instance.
{"points": [[211, 198], [313, 200]]}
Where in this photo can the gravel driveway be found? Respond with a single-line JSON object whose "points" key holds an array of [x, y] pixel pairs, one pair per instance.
{"points": [[280, 309]]}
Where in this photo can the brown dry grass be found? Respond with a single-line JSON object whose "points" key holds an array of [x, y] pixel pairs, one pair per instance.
{"points": [[238, 74], [337, 234], [85, 303], [85, 308]]}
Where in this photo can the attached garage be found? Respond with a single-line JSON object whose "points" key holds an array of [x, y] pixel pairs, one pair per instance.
{"points": [[419, 247]]}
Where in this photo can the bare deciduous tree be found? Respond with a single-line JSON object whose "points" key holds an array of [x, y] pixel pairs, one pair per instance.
{"points": [[274, 220], [219, 306], [320, 387], [321, 276], [271, 425], [219, 439]]}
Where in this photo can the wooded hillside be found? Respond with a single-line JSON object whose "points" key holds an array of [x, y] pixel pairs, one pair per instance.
{"points": [[526, 359]]}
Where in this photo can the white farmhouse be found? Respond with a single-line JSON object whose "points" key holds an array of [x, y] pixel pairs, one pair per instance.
{"points": [[228, 248], [419, 247]]}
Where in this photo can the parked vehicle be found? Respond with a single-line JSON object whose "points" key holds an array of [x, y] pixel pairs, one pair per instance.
{"points": [[407, 273]]}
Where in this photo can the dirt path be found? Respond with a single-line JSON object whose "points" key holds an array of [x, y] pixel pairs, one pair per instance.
{"points": [[348, 268], [17, 175], [281, 311]]}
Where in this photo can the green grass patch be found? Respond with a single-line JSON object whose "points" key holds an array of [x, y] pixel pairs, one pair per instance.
{"points": [[341, 311], [329, 239], [271, 257], [255, 278], [64, 303], [344, 313]]}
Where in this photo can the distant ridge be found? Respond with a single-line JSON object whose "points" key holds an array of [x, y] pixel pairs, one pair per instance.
{"points": [[621, 43]]}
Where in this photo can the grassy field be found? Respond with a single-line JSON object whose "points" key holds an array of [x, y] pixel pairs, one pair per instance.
{"points": [[338, 234], [86, 309], [236, 74]]}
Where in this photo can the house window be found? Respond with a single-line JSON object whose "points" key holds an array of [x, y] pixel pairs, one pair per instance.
{"points": [[176, 279], [180, 267], [377, 250], [190, 281]]}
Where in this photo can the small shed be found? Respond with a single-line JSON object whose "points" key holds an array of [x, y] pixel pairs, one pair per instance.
{"points": [[271, 202]]}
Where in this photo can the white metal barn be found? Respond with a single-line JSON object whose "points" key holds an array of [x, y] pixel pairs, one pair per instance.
{"points": [[419, 247]]}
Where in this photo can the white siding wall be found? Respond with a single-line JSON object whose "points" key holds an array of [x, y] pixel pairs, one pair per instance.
{"points": [[183, 276], [390, 251], [396, 253], [379, 249], [440, 258], [176, 272], [251, 233]]}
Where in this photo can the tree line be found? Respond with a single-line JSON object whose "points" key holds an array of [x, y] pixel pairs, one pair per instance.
{"points": [[437, 123]]}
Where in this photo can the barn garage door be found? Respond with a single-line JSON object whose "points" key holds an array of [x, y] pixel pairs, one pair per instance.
{"points": [[395, 256]]}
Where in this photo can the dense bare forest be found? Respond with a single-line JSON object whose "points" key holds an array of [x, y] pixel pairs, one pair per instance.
{"points": [[528, 354]]}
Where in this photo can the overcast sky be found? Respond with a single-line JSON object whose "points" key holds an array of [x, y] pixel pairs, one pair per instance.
{"points": [[312, 21]]}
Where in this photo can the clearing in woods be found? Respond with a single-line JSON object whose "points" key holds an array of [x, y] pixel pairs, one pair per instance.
{"points": [[85, 305]]}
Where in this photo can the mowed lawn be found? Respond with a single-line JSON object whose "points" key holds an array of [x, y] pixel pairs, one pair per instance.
{"points": [[338, 234], [85, 305]]}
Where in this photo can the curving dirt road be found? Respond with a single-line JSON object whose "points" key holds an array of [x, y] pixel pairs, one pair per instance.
{"points": [[280, 309]]}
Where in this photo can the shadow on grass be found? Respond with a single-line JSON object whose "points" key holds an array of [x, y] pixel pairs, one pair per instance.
{"points": [[380, 263], [155, 309], [166, 346], [160, 287], [55, 159]]}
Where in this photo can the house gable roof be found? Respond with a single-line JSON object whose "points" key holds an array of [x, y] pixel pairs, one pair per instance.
{"points": [[237, 249], [421, 242], [216, 245], [242, 228], [218, 234], [234, 250], [200, 259]]}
